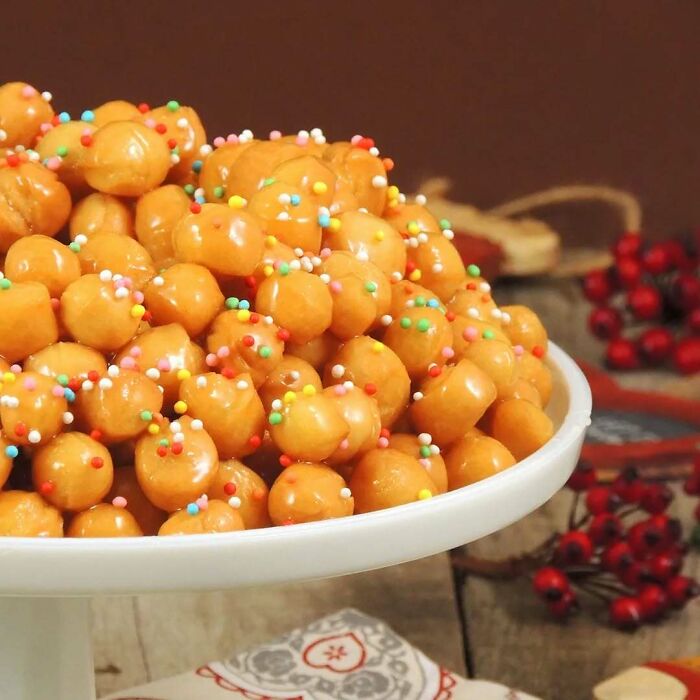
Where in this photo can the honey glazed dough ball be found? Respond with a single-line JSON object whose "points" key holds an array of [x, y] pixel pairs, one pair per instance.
{"points": [[6, 462], [385, 477], [317, 352], [375, 368], [216, 168], [186, 294], [23, 111], [521, 426], [114, 111], [72, 472], [406, 294], [104, 520], [119, 405], [475, 457], [361, 412], [42, 259], [225, 240], [467, 330], [155, 216], [21, 303], [368, 237], [312, 177], [474, 301], [176, 465], [67, 361], [440, 265], [32, 201], [32, 408], [537, 373], [291, 374], [100, 213], [450, 403], [422, 338], [97, 311], [307, 426], [522, 389], [360, 292], [126, 486], [230, 410], [305, 493], [212, 516], [275, 254], [236, 483], [420, 447], [411, 218], [298, 301], [126, 159], [166, 355], [27, 514], [496, 359], [523, 327], [243, 342]]}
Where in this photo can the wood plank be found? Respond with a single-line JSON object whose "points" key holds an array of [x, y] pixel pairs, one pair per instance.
{"points": [[169, 634]]}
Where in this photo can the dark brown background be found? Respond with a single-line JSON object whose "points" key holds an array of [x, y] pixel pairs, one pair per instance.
{"points": [[506, 97]]}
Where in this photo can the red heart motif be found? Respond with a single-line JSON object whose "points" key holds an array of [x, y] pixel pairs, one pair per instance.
{"points": [[340, 653]]}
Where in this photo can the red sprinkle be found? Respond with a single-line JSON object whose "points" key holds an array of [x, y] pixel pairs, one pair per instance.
{"points": [[365, 142], [388, 164], [86, 140], [93, 375], [435, 371], [177, 448], [285, 460], [283, 334], [254, 318], [230, 488], [471, 286], [162, 451], [248, 341], [46, 488], [255, 441], [75, 383], [143, 108], [13, 160], [450, 316], [161, 128], [370, 388], [538, 351], [228, 373], [20, 429], [385, 433], [172, 143], [97, 462], [195, 207], [410, 266], [96, 434], [147, 317]]}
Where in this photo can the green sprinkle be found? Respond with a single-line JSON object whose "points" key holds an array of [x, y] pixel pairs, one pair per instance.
{"points": [[176, 151], [164, 442], [444, 223], [405, 322], [264, 351], [62, 379], [275, 418], [284, 269], [268, 181], [420, 301], [219, 192], [424, 451], [189, 189], [371, 287], [473, 270], [232, 303], [74, 247], [173, 105], [5, 283], [423, 325], [62, 151], [488, 334], [146, 416]]}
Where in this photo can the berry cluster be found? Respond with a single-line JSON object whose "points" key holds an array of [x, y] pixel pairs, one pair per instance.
{"points": [[650, 285], [692, 488], [624, 549]]}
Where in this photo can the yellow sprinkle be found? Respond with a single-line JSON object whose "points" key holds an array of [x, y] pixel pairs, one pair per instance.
{"points": [[153, 429], [393, 203], [268, 270], [138, 310], [378, 347], [424, 494], [290, 397], [379, 235], [392, 192], [270, 241], [413, 228], [320, 187], [415, 275], [180, 407], [236, 201], [309, 390], [8, 377], [243, 315], [334, 224], [183, 374]]}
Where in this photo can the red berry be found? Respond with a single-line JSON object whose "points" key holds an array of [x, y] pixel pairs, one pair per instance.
{"points": [[550, 583], [628, 244], [644, 302], [605, 322], [670, 527], [645, 538], [693, 321], [686, 355], [665, 565], [685, 292], [622, 354], [655, 345], [657, 259], [677, 255], [656, 498], [575, 547], [625, 612], [598, 286], [654, 602], [605, 528], [629, 272], [681, 589], [617, 557], [635, 575], [692, 485], [601, 499], [562, 608], [582, 478], [628, 486]]}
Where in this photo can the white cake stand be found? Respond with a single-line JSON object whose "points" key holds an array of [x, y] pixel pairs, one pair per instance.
{"points": [[45, 585]]}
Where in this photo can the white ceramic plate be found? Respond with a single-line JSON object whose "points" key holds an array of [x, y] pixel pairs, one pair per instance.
{"points": [[69, 567]]}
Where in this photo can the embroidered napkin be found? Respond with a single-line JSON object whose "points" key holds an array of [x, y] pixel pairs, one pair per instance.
{"points": [[344, 656]]}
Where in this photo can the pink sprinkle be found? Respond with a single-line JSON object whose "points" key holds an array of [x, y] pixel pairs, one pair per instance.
{"points": [[163, 365], [219, 141], [355, 139], [53, 163], [135, 351], [325, 252], [121, 283], [138, 297], [87, 132], [202, 503], [128, 363], [383, 442], [470, 333], [518, 350], [58, 391], [345, 444], [232, 138], [28, 91], [302, 140], [276, 264], [45, 127], [30, 384], [340, 390], [336, 287], [150, 123], [55, 303], [448, 352], [275, 134], [425, 462], [211, 360], [223, 351], [16, 369], [119, 502]]}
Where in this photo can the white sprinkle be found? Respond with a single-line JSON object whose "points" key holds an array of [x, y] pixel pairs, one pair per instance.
{"points": [[410, 303], [425, 438], [337, 371], [437, 268], [303, 133], [284, 198], [417, 396], [448, 234], [316, 261], [345, 492], [374, 151], [242, 384], [201, 382], [181, 123], [315, 132], [348, 385], [158, 281], [412, 242], [423, 237], [276, 404], [3, 135], [34, 437], [283, 216], [152, 373], [363, 210], [46, 96], [105, 275], [496, 313], [269, 320], [295, 265], [174, 158], [325, 278], [379, 181], [105, 383], [386, 320], [473, 312], [299, 252], [505, 317], [68, 418], [175, 427], [179, 437], [396, 276], [205, 150], [81, 239], [434, 450], [484, 287], [295, 375], [402, 198], [320, 140], [87, 385], [113, 371], [199, 192], [116, 277], [196, 424], [121, 293], [421, 200], [234, 502]]}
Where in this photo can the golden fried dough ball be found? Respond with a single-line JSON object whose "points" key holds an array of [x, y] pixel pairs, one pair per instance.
{"points": [[406, 294], [237, 483], [520, 426], [307, 426], [496, 359], [305, 493], [118, 254], [23, 110], [216, 167], [119, 405], [385, 477], [42, 259], [32, 201], [24, 514], [311, 176], [522, 389], [466, 330], [523, 327], [420, 447], [177, 465], [317, 352], [422, 338], [474, 301], [68, 142], [72, 472], [537, 373], [104, 520], [361, 294], [214, 516], [66, 360], [368, 237], [98, 312], [473, 458], [226, 240], [344, 198], [291, 374], [126, 158], [32, 408], [128, 494], [411, 218], [361, 412], [114, 111], [298, 301], [376, 369], [440, 265], [156, 214], [5, 461], [100, 213], [242, 341], [452, 402]]}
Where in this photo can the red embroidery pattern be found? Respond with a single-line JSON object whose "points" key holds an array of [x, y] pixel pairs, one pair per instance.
{"points": [[224, 684], [339, 656], [447, 683]]}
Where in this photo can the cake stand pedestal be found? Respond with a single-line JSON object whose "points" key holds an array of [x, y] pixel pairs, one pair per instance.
{"points": [[45, 646]]}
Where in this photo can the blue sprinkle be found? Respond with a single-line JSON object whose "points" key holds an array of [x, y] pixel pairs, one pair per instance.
{"points": [[200, 200], [192, 508], [244, 304], [69, 395], [87, 116], [197, 166], [11, 451], [433, 303], [324, 220], [64, 117], [295, 199]]}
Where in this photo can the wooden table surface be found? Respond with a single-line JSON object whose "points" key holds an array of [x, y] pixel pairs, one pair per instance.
{"points": [[494, 630]]}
